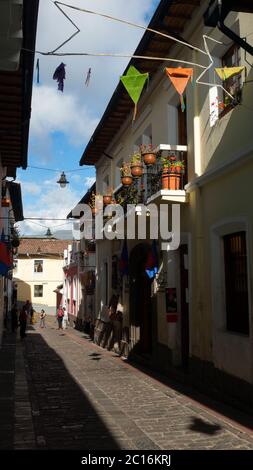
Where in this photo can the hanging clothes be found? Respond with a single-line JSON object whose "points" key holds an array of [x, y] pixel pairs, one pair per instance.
{"points": [[60, 75]]}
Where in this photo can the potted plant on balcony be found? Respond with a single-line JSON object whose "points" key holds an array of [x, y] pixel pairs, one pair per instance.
{"points": [[126, 174], [149, 154], [170, 177], [107, 198], [180, 166], [92, 203], [136, 165]]}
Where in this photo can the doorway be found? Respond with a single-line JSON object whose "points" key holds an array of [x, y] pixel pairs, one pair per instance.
{"points": [[140, 302]]}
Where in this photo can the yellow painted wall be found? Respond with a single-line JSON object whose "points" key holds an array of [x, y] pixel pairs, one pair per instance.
{"points": [[26, 279]]}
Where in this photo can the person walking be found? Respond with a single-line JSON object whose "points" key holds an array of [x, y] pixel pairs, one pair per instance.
{"points": [[14, 318], [23, 322], [65, 318], [43, 319], [60, 315]]}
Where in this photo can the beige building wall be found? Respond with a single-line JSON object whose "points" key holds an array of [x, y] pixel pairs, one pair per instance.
{"points": [[26, 279], [220, 172]]}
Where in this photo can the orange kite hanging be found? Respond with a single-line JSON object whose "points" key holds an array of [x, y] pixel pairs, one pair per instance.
{"points": [[179, 76]]}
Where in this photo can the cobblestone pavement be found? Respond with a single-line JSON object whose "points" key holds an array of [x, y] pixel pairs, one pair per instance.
{"points": [[71, 394]]}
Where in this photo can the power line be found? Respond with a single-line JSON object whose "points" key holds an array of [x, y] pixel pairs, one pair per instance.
{"points": [[58, 171]]}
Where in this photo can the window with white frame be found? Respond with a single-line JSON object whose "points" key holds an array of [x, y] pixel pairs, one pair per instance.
{"points": [[38, 266], [38, 290]]}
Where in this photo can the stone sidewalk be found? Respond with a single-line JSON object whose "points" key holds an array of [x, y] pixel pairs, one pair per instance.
{"points": [[61, 391]]}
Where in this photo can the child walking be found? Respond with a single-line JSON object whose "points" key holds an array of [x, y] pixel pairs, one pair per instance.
{"points": [[43, 319]]}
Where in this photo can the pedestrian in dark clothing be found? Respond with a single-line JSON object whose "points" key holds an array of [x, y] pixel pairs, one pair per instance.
{"points": [[14, 318], [23, 322], [60, 315]]}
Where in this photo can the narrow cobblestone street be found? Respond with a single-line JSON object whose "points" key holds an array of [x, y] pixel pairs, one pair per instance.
{"points": [[71, 394]]}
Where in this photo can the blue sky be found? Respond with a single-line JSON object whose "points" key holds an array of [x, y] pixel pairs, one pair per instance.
{"points": [[62, 123]]}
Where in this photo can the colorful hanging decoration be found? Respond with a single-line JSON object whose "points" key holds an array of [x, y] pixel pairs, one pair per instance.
{"points": [[179, 77], [60, 76], [228, 72], [38, 70], [151, 267], [5, 257], [134, 82], [87, 81]]}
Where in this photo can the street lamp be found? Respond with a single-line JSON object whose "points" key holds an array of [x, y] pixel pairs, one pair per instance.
{"points": [[49, 233], [63, 180]]}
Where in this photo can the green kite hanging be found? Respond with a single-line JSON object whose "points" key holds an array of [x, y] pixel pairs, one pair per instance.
{"points": [[134, 82]]}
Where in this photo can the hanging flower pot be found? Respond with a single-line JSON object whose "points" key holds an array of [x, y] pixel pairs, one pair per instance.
{"points": [[5, 202], [126, 180], [149, 158], [149, 154], [126, 174], [137, 170], [107, 199], [136, 165]]}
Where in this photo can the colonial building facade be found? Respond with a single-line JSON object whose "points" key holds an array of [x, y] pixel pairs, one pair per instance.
{"points": [[195, 315], [38, 271]]}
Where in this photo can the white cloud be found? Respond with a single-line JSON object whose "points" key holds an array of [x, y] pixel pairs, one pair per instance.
{"points": [[30, 187], [76, 111], [53, 203], [88, 181], [57, 112]]}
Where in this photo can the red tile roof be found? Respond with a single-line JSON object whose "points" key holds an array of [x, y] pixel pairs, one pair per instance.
{"points": [[43, 246]]}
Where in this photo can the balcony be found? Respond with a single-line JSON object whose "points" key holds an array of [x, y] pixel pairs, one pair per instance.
{"points": [[167, 184], [155, 186]]}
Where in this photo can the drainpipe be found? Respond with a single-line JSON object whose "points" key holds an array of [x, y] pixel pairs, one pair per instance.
{"points": [[231, 34]]}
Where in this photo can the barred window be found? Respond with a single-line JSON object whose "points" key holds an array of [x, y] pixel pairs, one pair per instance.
{"points": [[236, 283]]}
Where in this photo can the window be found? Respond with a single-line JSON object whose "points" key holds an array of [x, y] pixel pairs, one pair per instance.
{"points": [[236, 283], [38, 266], [38, 291], [233, 84]]}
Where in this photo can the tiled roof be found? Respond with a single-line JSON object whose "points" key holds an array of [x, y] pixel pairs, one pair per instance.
{"points": [[43, 246]]}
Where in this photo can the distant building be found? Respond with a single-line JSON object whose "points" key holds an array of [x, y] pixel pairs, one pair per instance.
{"points": [[38, 271]]}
